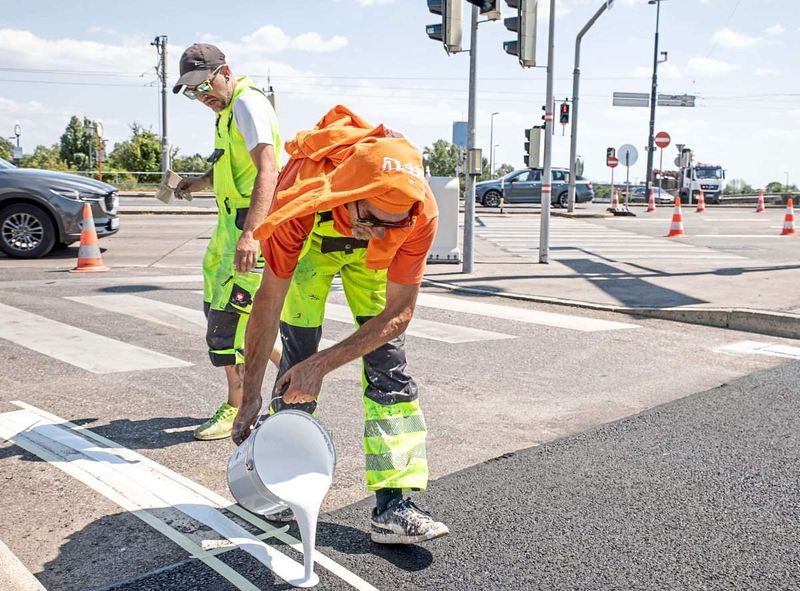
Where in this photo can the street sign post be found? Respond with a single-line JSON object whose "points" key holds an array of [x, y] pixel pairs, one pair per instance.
{"points": [[628, 155], [662, 141], [612, 162]]}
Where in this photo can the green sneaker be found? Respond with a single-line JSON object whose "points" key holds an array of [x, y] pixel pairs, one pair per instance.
{"points": [[219, 426]]}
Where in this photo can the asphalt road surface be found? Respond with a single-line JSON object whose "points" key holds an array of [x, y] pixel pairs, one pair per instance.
{"points": [[569, 449]]}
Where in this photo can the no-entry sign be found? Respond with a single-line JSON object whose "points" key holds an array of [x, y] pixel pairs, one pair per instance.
{"points": [[612, 161], [662, 139]]}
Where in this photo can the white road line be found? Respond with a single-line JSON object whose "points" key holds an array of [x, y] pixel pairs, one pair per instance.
{"points": [[759, 348], [580, 323], [81, 348], [427, 329], [154, 280], [122, 474], [177, 317]]}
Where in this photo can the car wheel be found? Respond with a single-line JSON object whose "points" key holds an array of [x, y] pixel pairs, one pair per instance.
{"points": [[491, 199], [26, 231], [563, 200]]}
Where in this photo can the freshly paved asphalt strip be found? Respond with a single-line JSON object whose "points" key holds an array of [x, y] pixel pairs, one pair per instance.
{"points": [[700, 493]]}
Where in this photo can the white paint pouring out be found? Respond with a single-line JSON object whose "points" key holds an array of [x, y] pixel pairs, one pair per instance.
{"points": [[288, 461]]}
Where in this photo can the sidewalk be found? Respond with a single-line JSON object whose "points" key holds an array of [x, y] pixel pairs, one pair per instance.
{"points": [[743, 295]]}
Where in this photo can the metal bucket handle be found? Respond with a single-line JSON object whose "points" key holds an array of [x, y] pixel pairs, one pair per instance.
{"points": [[249, 462]]}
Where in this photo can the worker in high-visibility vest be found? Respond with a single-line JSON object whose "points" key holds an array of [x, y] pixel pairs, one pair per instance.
{"points": [[352, 201], [245, 164]]}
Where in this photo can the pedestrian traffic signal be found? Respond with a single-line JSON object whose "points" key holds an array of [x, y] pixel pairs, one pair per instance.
{"points": [[564, 117], [533, 142], [449, 30], [524, 25], [488, 8]]}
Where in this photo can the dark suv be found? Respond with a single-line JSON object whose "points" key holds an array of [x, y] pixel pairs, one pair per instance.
{"points": [[39, 209], [525, 186]]}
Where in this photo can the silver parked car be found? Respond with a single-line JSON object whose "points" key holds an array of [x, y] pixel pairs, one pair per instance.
{"points": [[525, 186], [40, 209]]}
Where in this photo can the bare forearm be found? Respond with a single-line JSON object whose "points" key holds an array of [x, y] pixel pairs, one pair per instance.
{"points": [[207, 178], [260, 200], [262, 329]]}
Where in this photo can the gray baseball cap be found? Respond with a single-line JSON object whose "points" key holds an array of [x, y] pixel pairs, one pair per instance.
{"points": [[196, 63]]}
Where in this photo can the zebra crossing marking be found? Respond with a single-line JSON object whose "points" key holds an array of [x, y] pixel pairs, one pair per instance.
{"points": [[78, 347]]}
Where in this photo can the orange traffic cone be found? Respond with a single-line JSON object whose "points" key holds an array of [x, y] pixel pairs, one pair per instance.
{"points": [[701, 203], [651, 203], [760, 205], [676, 227], [615, 198], [89, 259], [788, 220]]}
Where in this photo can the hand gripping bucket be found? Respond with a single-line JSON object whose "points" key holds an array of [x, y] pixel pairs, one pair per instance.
{"points": [[290, 442], [287, 461]]}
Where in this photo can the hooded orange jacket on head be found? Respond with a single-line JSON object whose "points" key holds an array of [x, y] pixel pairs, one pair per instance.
{"points": [[344, 159]]}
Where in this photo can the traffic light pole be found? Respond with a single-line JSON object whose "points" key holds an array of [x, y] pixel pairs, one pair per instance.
{"points": [[653, 100], [469, 185], [547, 180], [576, 76]]}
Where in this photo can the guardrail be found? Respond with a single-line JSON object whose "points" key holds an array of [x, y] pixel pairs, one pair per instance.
{"points": [[128, 180]]}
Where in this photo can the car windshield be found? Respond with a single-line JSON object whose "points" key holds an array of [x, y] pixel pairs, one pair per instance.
{"points": [[5, 164], [709, 173]]}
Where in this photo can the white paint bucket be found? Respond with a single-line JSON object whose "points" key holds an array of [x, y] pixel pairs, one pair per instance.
{"points": [[287, 461]]}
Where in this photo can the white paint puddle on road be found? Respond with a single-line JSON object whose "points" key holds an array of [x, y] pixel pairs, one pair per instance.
{"points": [[147, 489], [759, 348]]}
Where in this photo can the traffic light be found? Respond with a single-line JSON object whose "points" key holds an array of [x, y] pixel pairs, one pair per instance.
{"points": [[610, 153], [533, 142], [524, 25], [449, 31], [564, 117], [488, 8]]}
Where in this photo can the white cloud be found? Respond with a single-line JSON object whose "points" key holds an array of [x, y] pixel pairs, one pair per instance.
{"points": [[710, 67], [775, 30], [730, 38], [767, 72], [665, 71], [314, 42]]}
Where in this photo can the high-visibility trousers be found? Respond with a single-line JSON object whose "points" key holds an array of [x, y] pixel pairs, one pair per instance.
{"points": [[227, 295], [394, 427]]}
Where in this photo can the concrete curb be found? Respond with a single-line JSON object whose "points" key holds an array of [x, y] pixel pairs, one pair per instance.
{"points": [[763, 322]]}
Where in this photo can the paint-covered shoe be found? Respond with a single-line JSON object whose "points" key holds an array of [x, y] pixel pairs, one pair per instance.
{"points": [[284, 516], [402, 522], [219, 426]]}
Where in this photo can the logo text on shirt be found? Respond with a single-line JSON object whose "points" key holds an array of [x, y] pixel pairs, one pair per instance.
{"points": [[394, 165]]}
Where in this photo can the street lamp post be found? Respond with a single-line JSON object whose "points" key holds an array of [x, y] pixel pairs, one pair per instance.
{"points": [[494, 159], [653, 99], [491, 145], [17, 133], [787, 181]]}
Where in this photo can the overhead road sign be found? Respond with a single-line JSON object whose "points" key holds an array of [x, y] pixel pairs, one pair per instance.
{"points": [[676, 100], [631, 99]]}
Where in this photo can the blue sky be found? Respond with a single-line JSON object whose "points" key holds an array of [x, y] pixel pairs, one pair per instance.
{"points": [[738, 56]]}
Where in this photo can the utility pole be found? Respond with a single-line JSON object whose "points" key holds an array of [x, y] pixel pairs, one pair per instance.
{"points": [[653, 100], [160, 43], [547, 179], [576, 76], [469, 186]]}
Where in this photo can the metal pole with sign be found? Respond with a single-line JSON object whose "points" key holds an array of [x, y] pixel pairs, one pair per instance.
{"points": [[662, 141], [612, 162], [98, 129], [628, 155], [469, 185], [547, 178]]}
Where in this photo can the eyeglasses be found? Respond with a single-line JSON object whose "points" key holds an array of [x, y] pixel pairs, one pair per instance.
{"points": [[376, 223], [202, 88]]}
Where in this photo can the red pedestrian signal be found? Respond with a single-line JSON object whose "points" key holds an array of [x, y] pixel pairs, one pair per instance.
{"points": [[564, 118]]}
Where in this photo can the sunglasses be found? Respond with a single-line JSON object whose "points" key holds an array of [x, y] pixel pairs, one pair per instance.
{"points": [[202, 88], [376, 223]]}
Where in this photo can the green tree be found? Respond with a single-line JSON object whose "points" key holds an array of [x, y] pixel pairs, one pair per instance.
{"points": [[6, 149], [194, 163], [503, 170], [736, 186], [75, 144], [141, 153], [46, 158], [442, 158]]}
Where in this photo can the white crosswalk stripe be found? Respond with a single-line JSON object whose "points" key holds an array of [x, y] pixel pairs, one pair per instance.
{"points": [[574, 239], [78, 347]]}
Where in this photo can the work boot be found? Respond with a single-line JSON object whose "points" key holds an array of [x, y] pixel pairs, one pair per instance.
{"points": [[284, 516], [404, 523], [219, 426]]}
